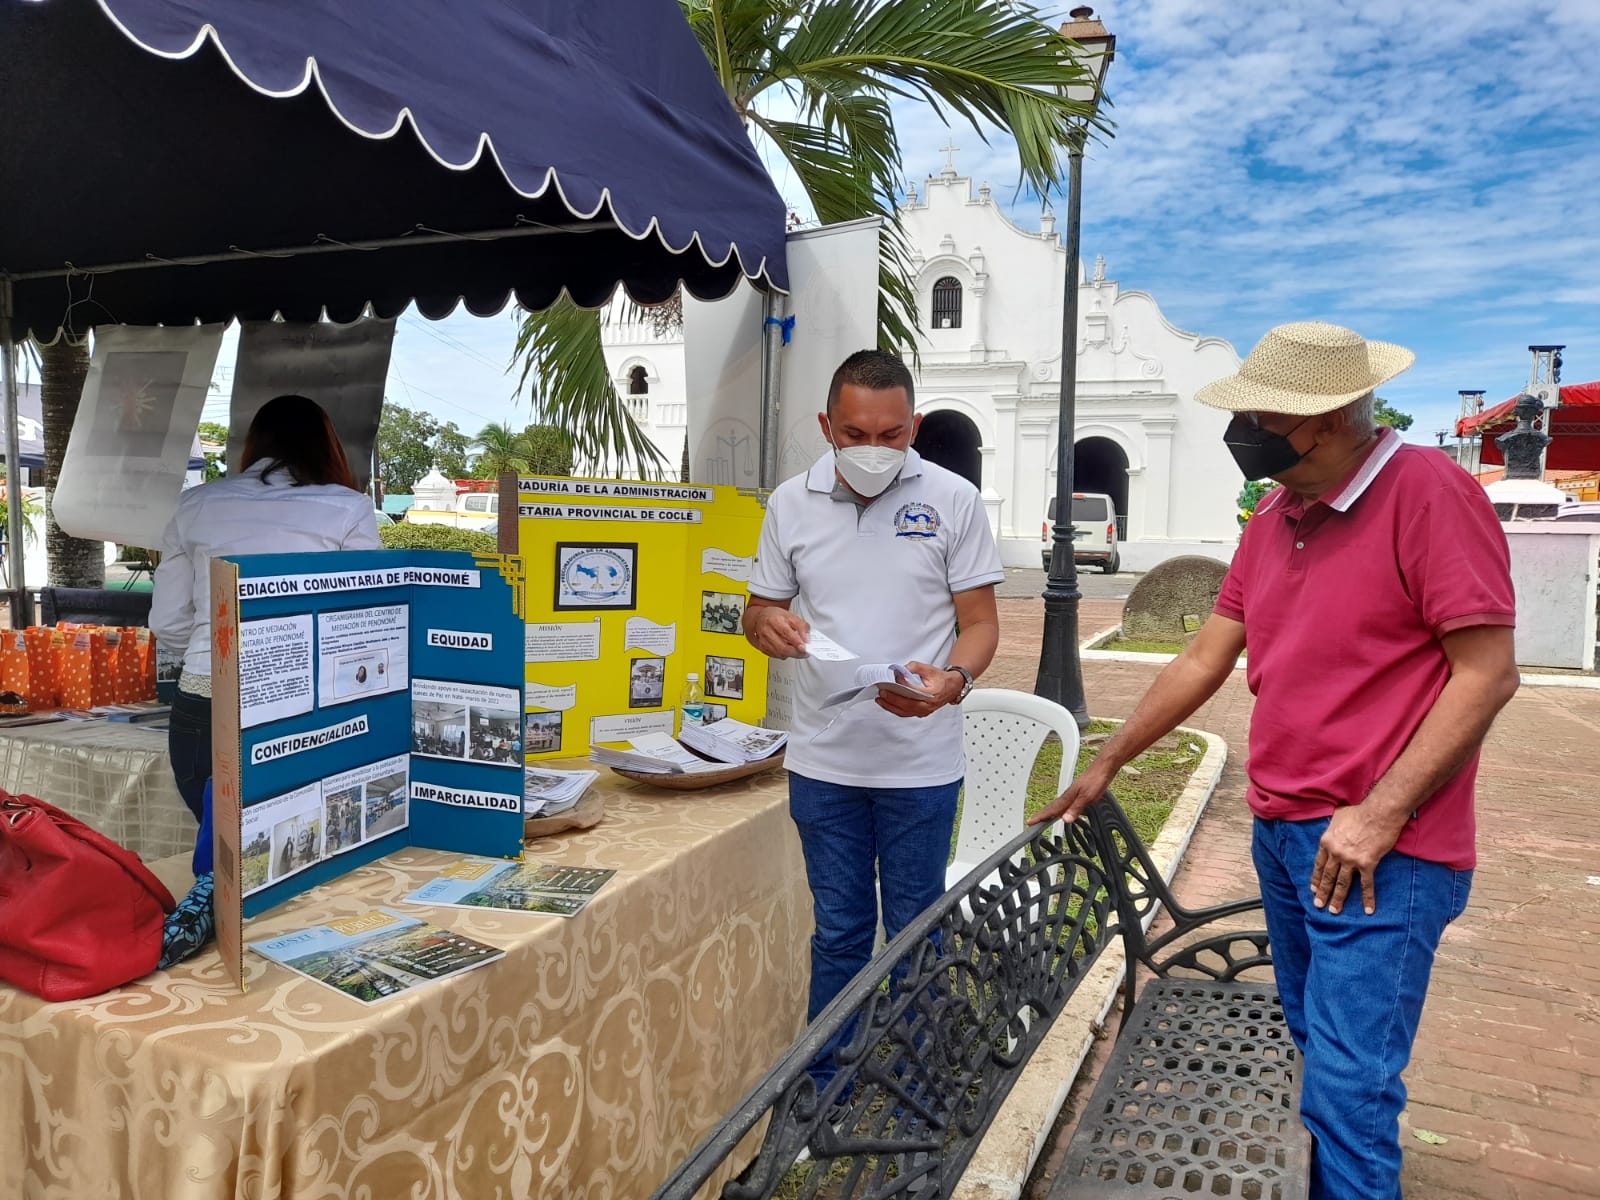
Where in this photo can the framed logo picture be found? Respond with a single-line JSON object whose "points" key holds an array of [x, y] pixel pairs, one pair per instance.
{"points": [[594, 576]]}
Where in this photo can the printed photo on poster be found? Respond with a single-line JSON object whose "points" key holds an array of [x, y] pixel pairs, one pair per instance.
{"points": [[362, 652], [368, 801], [724, 677], [466, 721], [721, 612], [280, 837], [387, 807], [715, 712], [496, 735], [341, 812], [438, 730], [647, 682], [543, 732], [593, 576]]}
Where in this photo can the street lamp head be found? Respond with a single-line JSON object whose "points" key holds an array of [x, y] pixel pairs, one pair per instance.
{"points": [[1096, 50]]}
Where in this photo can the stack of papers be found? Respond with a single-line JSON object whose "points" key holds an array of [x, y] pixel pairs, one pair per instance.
{"points": [[546, 793], [733, 741], [653, 754]]}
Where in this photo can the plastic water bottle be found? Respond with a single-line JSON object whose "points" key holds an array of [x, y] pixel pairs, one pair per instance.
{"points": [[694, 700]]}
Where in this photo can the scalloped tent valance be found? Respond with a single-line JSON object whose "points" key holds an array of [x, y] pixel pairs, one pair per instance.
{"points": [[167, 161]]}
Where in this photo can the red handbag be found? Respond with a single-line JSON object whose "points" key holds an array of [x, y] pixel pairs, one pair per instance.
{"points": [[79, 914]]}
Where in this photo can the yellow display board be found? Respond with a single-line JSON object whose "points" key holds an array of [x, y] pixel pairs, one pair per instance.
{"points": [[630, 587]]}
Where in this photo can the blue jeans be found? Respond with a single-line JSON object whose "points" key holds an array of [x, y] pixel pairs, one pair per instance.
{"points": [[858, 842], [189, 747], [1352, 988]]}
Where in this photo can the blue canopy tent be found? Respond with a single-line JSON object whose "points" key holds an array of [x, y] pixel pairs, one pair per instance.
{"points": [[199, 160]]}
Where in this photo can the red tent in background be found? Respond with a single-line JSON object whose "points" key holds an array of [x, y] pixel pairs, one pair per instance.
{"points": [[1574, 428]]}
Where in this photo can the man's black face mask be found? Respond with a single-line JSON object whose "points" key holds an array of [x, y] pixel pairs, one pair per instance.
{"points": [[1259, 453]]}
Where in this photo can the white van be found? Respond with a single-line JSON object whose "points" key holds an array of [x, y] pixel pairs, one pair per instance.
{"points": [[1094, 539]]}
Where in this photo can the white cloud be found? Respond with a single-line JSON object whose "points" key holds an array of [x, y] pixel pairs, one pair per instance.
{"points": [[1418, 169]]}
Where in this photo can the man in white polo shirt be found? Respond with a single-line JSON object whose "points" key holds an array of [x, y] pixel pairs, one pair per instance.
{"points": [[887, 555]]}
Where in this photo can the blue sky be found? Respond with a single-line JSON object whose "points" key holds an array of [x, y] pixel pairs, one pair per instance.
{"points": [[1425, 171]]}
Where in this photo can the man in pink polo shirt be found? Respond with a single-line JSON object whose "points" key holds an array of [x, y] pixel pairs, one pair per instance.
{"points": [[1374, 589]]}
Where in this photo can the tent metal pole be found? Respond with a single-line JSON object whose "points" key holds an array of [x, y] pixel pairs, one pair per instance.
{"points": [[21, 605], [329, 246], [771, 385]]}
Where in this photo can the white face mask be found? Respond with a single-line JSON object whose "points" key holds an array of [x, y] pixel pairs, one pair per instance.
{"points": [[868, 470]]}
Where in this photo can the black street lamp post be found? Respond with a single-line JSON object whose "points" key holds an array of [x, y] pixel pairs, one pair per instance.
{"points": [[1060, 671]]}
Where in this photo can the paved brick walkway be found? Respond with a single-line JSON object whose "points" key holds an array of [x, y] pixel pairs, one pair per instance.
{"points": [[1507, 1062]]}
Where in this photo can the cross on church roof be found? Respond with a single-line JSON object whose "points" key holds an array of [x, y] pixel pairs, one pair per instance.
{"points": [[950, 156]]}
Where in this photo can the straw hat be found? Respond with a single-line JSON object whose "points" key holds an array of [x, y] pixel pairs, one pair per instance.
{"points": [[1306, 368]]}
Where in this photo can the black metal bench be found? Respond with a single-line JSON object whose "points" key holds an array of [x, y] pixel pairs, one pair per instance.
{"points": [[1200, 1097]]}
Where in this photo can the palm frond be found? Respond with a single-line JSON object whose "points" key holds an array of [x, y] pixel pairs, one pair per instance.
{"points": [[993, 64], [565, 376]]}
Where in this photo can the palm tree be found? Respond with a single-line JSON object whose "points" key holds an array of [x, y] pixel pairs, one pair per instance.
{"points": [[500, 448], [63, 367], [814, 80]]}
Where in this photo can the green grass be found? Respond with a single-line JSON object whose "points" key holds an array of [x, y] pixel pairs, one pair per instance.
{"points": [[1140, 646], [1147, 793]]}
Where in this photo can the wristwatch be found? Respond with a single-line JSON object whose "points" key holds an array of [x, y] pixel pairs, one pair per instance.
{"points": [[966, 686]]}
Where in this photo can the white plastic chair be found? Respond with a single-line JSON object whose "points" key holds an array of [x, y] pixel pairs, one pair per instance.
{"points": [[1002, 732]]}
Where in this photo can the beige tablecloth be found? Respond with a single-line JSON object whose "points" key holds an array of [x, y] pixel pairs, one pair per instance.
{"points": [[112, 776], [584, 1064]]}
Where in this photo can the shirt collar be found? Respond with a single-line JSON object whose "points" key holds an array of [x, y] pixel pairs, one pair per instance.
{"points": [[821, 477], [1342, 497]]}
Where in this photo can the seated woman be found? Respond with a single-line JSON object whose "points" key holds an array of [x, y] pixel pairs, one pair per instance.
{"points": [[293, 493]]}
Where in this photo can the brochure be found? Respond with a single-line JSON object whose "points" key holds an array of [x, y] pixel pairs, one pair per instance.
{"points": [[880, 677], [546, 792], [733, 741], [376, 954], [513, 886], [653, 754]]}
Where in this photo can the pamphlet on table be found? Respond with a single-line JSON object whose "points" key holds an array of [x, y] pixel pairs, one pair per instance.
{"points": [[514, 887], [731, 741], [376, 954], [547, 792], [654, 754]]}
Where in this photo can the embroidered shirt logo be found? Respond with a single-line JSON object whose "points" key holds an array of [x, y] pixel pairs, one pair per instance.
{"points": [[916, 520]]}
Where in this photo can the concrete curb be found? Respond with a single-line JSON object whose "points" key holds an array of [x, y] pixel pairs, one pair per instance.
{"points": [[1088, 652], [1015, 1139]]}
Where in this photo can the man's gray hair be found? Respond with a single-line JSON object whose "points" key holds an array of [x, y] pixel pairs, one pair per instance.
{"points": [[1361, 414]]}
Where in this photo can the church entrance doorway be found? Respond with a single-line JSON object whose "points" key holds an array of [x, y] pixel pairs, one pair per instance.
{"points": [[1099, 465], [951, 440]]}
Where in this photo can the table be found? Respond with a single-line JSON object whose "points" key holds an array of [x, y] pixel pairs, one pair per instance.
{"points": [[584, 1064], [113, 776]]}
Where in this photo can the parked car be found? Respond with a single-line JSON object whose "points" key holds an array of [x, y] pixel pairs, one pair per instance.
{"points": [[473, 510], [1094, 539]]}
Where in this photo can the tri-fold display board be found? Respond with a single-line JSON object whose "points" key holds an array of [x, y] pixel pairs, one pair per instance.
{"points": [[363, 701], [631, 587]]}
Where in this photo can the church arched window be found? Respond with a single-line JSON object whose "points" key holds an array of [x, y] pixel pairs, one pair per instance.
{"points": [[638, 384], [947, 303]]}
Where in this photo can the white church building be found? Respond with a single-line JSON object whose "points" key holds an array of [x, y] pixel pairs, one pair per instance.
{"points": [[989, 385]]}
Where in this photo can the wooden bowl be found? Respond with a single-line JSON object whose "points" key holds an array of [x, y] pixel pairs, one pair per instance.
{"points": [[704, 779], [585, 814]]}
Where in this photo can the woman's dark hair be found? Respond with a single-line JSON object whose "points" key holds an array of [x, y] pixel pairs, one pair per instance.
{"points": [[292, 432]]}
